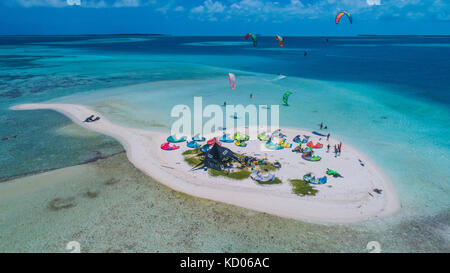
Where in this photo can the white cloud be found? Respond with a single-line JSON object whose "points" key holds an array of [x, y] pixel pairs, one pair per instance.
{"points": [[274, 10], [252, 3], [209, 7], [74, 2], [373, 2], [199, 9], [83, 3], [263, 10], [179, 9], [94, 4], [126, 3], [164, 8], [42, 3], [235, 6]]}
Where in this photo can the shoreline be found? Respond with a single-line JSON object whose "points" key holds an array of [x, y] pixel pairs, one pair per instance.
{"points": [[345, 204]]}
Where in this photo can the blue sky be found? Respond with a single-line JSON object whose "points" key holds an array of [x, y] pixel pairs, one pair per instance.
{"points": [[223, 17]]}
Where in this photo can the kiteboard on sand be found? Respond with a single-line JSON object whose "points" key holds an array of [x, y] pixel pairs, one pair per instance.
{"points": [[318, 134]]}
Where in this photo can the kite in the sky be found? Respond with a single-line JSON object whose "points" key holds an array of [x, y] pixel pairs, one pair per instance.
{"points": [[232, 79], [340, 14], [286, 97], [280, 40], [253, 36]]}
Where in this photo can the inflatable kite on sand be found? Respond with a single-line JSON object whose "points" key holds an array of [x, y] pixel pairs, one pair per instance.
{"points": [[176, 139], [166, 146]]}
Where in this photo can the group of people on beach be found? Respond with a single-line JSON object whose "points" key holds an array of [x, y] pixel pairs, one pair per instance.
{"points": [[337, 148], [322, 126]]}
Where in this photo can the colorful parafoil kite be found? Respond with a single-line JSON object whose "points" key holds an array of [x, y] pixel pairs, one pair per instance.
{"points": [[232, 79], [253, 36], [286, 97], [340, 14], [280, 40]]}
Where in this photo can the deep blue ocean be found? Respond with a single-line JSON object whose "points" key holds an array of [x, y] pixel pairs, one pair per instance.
{"points": [[419, 64]]}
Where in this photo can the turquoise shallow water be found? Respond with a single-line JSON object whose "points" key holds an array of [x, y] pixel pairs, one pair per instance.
{"points": [[109, 206], [33, 146], [399, 119]]}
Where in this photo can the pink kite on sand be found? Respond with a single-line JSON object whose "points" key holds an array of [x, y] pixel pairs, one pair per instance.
{"points": [[166, 147]]}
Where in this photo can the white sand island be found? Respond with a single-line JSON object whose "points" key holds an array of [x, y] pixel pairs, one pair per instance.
{"points": [[348, 199]]}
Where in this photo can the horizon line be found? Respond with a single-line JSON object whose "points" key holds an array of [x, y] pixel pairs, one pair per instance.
{"points": [[231, 35]]}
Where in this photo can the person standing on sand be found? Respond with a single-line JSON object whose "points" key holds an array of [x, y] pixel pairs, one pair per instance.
{"points": [[335, 150], [328, 137], [328, 148]]}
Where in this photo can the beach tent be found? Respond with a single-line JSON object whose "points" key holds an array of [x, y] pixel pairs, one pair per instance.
{"points": [[217, 157]]}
